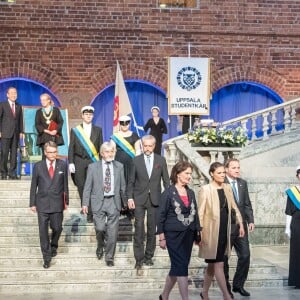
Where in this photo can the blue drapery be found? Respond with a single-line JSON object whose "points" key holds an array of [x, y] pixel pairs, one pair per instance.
{"points": [[28, 91], [142, 97]]}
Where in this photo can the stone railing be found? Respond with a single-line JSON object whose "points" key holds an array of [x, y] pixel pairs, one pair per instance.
{"points": [[270, 121]]}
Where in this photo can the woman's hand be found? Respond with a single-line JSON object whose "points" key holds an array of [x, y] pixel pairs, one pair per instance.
{"points": [[242, 230], [163, 244]]}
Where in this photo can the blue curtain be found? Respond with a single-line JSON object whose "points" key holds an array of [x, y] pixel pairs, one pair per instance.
{"points": [[28, 91], [242, 98], [142, 97]]}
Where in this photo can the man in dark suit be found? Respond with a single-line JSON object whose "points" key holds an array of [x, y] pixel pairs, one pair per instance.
{"points": [[102, 195], [11, 130], [49, 196], [240, 244], [85, 142], [143, 192]]}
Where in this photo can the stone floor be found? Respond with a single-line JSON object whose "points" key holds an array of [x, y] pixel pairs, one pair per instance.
{"points": [[283, 293], [278, 255]]}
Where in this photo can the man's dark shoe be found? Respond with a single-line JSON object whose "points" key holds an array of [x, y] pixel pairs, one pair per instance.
{"points": [[89, 218], [46, 264], [138, 264], [148, 262], [110, 263], [53, 252], [99, 253], [242, 291], [4, 177], [13, 177]]}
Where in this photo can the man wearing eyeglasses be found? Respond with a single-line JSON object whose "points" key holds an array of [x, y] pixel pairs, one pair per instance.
{"points": [[49, 196]]}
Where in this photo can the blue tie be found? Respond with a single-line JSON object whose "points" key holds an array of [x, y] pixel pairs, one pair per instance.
{"points": [[235, 192], [148, 165]]}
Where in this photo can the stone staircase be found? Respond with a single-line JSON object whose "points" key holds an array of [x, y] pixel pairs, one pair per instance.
{"points": [[76, 268]]}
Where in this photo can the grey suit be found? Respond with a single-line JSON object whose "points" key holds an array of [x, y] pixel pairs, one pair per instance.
{"points": [[48, 196], [240, 244], [146, 193], [104, 207]]}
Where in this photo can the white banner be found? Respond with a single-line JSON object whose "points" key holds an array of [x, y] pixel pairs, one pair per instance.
{"points": [[189, 86]]}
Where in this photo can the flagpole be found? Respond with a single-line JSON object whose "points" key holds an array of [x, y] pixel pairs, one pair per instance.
{"points": [[189, 55]]}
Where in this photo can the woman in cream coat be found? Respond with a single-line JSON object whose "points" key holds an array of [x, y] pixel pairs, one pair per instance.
{"points": [[214, 206]]}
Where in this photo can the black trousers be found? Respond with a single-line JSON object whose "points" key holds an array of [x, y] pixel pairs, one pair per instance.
{"points": [[55, 220], [9, 149], [139, 250], [241, 246]]}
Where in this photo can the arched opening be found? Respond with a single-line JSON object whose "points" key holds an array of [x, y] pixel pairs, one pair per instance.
{"points": [[143, 95], [241, 98], [29, 91]]}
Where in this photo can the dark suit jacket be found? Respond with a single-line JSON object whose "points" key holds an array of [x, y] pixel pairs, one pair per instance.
{"points": [[76, 148], [244, 204], [48, 194], [168, 220], [140, 185], [94, 190], [8, 123]]}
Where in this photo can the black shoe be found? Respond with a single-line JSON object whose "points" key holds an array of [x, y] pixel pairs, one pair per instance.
{"points": [[138, 264], [3, 177], [13, 177], [89, 218], [242, 291], [53, 252], [46, 264], [148, 262], [110, 263], [99, 253]]}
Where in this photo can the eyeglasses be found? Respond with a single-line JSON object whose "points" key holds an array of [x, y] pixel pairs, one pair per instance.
{"points": [[53, 152], [124, 123]]}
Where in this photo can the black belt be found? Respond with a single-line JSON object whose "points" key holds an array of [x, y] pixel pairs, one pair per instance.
{"points": [[106, 197]]}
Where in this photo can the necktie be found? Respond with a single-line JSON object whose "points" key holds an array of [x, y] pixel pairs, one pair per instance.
{"points": [[51, 169], [107, 179], [148, 165], [235, 192], [13, 109]]}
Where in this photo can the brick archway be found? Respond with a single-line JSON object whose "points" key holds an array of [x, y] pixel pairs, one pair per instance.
{"points": [[105, 77], [33, 72], [266, 77]]}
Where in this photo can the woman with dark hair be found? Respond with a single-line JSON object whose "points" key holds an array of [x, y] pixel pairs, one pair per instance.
{"points": [[48, 123], [178, 227], [293, 231], [215, 202], [157, 127]]}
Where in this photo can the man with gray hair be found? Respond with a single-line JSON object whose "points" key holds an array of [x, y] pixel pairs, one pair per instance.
{"points": [[143, 192], [102, 195]]}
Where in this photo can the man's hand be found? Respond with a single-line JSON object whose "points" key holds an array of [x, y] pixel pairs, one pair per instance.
{"points": [[251, 227], [131, 204], [85, 209], [33, 208]]}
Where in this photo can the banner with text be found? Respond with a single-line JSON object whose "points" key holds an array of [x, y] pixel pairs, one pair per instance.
{"points": [[189, 86]]}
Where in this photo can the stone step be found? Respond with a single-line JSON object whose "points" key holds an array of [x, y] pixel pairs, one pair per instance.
{"points": [[139, 282]]}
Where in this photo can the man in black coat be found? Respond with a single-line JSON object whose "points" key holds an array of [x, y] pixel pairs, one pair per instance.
{"points": [[11, 130], [49, 196], [85, 142], [144, 192], [240, 244]]}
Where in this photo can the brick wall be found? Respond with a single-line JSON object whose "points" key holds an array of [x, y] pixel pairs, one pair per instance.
{"points": [[71, 46]]}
